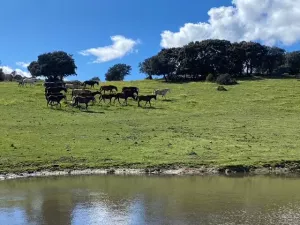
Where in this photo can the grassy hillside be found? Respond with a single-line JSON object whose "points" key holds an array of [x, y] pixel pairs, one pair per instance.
{"points": [[254, 123]]}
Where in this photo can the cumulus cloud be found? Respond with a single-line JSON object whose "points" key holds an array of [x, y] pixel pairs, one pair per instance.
{"points": [[9, 70], [119, 48], [22, 64], [268, 21]]}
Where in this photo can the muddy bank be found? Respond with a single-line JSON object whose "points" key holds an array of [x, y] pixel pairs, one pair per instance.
{"points": [[280, 169]]}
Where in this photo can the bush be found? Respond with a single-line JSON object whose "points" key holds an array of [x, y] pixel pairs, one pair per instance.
{"points": [[225, 79], [221, 88], [283, 70], [210, 78], [9, 77]]}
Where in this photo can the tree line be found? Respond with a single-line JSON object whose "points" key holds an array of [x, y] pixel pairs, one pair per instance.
{"points": [[197, 60]]}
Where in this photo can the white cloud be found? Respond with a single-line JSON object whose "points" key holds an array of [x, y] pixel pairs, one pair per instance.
{"points": [[22, 64], [269, 21], [9, 70], [119, 48]]}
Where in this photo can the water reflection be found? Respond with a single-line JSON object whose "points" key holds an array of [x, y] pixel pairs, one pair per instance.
{"points": [[150, 200]]}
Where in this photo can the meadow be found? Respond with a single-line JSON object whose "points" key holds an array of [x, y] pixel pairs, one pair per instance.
{"points": [[254, 123]]}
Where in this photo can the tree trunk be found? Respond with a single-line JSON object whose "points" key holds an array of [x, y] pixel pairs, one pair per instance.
{"points": [[165, 77]]}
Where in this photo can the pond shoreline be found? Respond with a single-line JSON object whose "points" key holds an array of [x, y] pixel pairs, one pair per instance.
{"points": [[184, 171]]}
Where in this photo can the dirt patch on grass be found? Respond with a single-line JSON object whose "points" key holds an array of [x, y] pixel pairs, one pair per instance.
{"points": [[284, 168]]}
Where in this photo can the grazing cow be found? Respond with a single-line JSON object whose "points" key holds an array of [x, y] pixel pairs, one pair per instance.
{"points": [[70, 86], [110, 88], [146, 98], [75, 83], [92, 93], [55, 89], [20, 83], [53, 94], [73, 86], [133, 89], [30, 81], [54, 84], [107, 96], [89, 94], [125, 95], [55, 98], [77, 92], [85, 100], [162, 92], [91, 83]]}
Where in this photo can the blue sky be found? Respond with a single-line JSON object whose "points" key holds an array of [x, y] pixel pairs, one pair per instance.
{"points": [[87, 29]]}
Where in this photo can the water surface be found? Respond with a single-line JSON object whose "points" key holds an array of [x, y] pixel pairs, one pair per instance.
{"points": [[138, 200]]}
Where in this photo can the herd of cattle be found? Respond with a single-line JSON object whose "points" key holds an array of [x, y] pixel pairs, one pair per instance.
{"points": [[81, 95]]}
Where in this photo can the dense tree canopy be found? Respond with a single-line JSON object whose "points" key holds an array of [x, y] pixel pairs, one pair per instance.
{"points": [[53, 65], [196, 60], [117, 72], [2, 75], [293, 61], [96, 79]]}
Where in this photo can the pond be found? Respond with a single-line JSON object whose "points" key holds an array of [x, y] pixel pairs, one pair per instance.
{"points": [[155, 200]]}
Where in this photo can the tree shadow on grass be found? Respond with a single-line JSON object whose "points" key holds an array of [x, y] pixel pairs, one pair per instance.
{"points": [[264, 77], [92, 112], [150, 107], [56, 108], [168, 100], [250, 78]]}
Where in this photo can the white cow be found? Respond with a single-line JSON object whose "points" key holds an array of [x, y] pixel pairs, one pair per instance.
{"points": [[30, 81], [162, 92]]}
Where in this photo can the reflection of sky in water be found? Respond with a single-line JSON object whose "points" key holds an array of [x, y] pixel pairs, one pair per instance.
{"points": [[217, 201], [98, 213], [13, 216], [103, 212]]}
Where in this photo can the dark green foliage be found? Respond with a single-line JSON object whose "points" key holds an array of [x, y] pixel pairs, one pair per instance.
{"points": [[117, 72], [284, 69], [274, 58], [210, 78], [221, 88], [18, 77], [225, 79], [150, 67], [2, 75], [96, 79], [196, 60], [53, 65], [255, 54], [34, 69], [9, 77], [293, 61]]}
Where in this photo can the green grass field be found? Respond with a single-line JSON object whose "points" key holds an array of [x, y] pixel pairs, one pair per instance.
{"points": [[254, 123]]}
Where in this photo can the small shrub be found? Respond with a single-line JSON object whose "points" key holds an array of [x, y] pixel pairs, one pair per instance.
{"points": [[221, 88], [225, 79], [192, 153], [210, 78]]}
